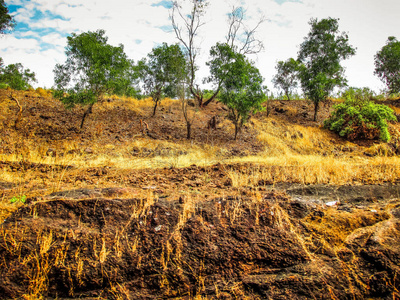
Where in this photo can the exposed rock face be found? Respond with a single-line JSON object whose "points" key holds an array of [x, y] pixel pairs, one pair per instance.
{"points": [[272, 247]]}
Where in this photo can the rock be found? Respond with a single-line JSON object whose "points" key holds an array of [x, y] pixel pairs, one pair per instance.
{"points": [[88, 150]]}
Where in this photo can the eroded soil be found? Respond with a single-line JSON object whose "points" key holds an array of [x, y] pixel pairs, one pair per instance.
{"points": [[92, 243]]}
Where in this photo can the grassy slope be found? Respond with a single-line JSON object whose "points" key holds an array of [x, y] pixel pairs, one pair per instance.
{"points": [[283, 147]]}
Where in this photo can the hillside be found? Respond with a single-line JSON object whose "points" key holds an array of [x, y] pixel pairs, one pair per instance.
{"points": [[119, 211]]}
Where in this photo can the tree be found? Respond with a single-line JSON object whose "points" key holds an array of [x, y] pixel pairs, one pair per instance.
{"points": [[163, 71], [222, 56], [286, 77], [188, 113], [127, 84], [187, 27], [6, 20], [92, 69], [387, 64], [241, 91], [16, 77], [320, 55]]}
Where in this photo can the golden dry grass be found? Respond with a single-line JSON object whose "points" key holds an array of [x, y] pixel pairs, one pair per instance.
{"points": [[292, 153]]}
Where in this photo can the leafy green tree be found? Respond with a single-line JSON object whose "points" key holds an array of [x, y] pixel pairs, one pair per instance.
{"points": [[319, 56], [241, 84], [162, 71], [286, 77], [128, 83], [93, 68], [6, 20], [222, 56], [359, 118], [387, 64], [16, 77]]}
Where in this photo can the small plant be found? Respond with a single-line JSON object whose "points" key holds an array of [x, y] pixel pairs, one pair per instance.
{"points": [[360, 118], [17, 199]]}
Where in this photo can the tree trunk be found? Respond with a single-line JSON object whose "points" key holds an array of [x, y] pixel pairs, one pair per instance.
{"points": [[154, 109], [287, 95], [212, 98], [316, 107], [188, 128], [237, 128], [87, 112]]}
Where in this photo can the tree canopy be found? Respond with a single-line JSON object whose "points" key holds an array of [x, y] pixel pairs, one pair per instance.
{"points": [[92, 69], [162, 71], [15, 76], [320, 55], [387, 64], [286, 76], [6, 20]]}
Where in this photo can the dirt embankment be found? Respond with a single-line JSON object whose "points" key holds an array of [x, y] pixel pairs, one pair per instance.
{"points": [[90, 243]]}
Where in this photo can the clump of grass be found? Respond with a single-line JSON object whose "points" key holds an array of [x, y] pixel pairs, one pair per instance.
{"points": [[314, 169]]}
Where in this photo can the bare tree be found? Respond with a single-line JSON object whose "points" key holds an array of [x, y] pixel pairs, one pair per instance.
{"points": [[186, 31], [242, 37], [187, 26], [188, 114]]}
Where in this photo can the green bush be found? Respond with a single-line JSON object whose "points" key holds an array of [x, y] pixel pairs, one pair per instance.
{"points": [[360, 118], [359, 93], [4, 86]]}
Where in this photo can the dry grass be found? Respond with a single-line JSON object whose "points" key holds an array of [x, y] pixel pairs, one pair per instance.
{"points": [[313, 169], [292, 154]]}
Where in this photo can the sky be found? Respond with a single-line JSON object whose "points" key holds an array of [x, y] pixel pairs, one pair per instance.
{"points": [[40, 37]]}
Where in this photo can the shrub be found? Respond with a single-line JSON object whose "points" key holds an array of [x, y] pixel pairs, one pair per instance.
{"points": [[358, 118], [42, 92], [4, 86], [360, 93]]}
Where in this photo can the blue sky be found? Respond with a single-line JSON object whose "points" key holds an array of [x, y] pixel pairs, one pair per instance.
{"points": [[39, 39]]}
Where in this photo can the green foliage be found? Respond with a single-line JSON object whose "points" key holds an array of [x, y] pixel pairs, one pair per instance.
{"points": [[358, 118], [6, 21], [162, 71], [127, 84], [320, 55], [387, 64], [92, 69], [241, 84], [16, 77], [286, 77], [17, 199], [364, 93], [209, 93]]}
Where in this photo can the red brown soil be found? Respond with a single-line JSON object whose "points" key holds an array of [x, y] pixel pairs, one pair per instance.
{"points": [[199, 236], [229, 247], [47, 120]]}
